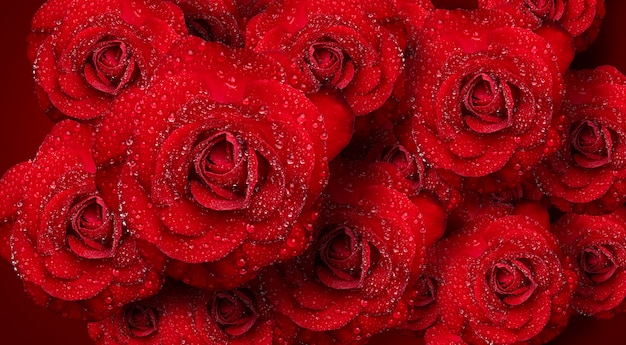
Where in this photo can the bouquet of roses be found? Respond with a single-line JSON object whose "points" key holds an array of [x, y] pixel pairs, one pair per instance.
{"points": [[318, 172]]}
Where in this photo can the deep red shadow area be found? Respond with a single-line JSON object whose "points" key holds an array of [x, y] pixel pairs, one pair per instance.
{"points": [[23, 126]]}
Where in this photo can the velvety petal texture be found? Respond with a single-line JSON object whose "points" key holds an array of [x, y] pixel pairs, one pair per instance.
{"points": [[472, 88], [229, 173], [587, 175], [511, 284], [596, 246], [319, 46], [69, 247], [85, 54]]}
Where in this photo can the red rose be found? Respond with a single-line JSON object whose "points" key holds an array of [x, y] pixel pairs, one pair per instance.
{"points": [[377, 142], [481, 105], [68, 246], [238, 316], [213, 20], [224, 170], [581, 19], [504, 279], [153, 321], [588, 174], [183, 315], [367, 247], [596, 245], [11, 189], [320, 46], [85, 56]]}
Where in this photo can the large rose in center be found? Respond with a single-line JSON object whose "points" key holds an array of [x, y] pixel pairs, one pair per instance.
{"points": [[224, 170]]}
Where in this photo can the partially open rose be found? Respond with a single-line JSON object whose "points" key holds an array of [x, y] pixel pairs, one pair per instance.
{"points": [[504, 279], [480, 104], [596, 246], [581, 19], [319, 46], [85, 56], [224, 171], [368, 246], [588, 174], [70, 248]]}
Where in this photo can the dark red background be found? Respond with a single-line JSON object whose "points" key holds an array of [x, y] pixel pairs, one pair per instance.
{"points": [[23, 126]]}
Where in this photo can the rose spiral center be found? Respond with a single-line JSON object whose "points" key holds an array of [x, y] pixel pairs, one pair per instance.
{"points": [[424, 292], [488, 104], [111, 66], [592, 144], [547, 9], [329, 64], [344, 259], [91, 232], [225, 172], [208, 28], [234, 312], [512, 281], [598, 263], [141, 320]]}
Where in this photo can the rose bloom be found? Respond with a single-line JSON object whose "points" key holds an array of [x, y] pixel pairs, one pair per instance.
{"points": [[377, 141], [596, 246], [581, 19], [503, 278], [588, 174], [85, 56], [181, 314], [320, 46], [224, 170], [368, 247], [67, 245], [482, 105]]}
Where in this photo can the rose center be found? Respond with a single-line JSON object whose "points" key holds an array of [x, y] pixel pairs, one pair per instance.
{"points": [[225, 172], [424, 292], [91, 230], [591, 144], [233, 312], [488, 105], [598, 263], [329, 64], [141, 320], [344, 259], [111, 66], [512, 281], [208, 28], [547, 9]]}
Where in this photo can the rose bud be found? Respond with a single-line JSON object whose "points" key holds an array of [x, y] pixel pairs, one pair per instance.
{"points": [[596, 246], [481, 105], [85, 56], [69, 247], [588, 174], [581, 19], [319, 46], [503, 278], [224, 172]]}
